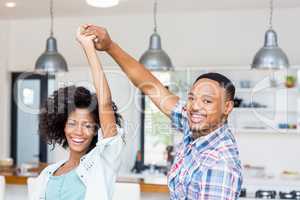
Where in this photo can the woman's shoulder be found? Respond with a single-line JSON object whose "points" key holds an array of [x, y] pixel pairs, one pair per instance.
{"points": [[52, 168]]}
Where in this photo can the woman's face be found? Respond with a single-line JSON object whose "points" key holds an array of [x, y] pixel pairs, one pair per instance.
{"points": [[80, 129]]}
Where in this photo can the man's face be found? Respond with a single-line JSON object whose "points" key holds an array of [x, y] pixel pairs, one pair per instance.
{"points": [[207, 107]]}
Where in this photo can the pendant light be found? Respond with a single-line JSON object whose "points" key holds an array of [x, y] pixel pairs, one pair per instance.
{"points": [[102, 3], [270, 56], [51, 60], [155, 58]]}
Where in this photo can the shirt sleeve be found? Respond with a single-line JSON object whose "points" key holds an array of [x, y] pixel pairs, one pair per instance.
{"points": [[178, 116], [110, 149], [220, 183]]}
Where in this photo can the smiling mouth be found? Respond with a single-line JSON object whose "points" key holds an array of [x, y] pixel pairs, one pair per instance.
{"points": [[77, 141], [197, 117]]}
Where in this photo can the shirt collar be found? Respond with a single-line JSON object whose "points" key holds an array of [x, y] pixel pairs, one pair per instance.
{"points": [[54, 167], [208, 140]]}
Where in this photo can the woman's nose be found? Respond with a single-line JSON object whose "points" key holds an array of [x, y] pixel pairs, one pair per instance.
{"points": [[79, 129]]}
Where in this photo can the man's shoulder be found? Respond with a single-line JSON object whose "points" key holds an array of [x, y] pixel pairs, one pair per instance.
{"points": [[213, 160], [220, 155]]}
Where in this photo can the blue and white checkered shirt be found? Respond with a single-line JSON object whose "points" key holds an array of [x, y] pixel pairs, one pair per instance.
{"points": [[206, 168]]}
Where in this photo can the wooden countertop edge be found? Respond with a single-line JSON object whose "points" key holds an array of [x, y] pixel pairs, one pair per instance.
{"points": [[145, 187], [16, 180]]}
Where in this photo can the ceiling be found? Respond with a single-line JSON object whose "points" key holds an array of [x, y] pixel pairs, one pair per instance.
{"points": [[64, 8]]}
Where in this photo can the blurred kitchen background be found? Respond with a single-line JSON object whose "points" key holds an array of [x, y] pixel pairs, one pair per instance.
{"points": [[199, 36]]}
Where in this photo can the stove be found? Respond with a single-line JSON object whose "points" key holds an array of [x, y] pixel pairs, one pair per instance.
{"points": [[265, 194], [269, 194]]}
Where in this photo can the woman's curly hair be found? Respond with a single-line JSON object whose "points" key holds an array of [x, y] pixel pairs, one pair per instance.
{"points": [[57, 108]]}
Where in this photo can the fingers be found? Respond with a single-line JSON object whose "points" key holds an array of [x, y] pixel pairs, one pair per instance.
{"points": [[84, 36], [91, 33], [85, 26], [92, 37], [96, 40], [88, 32], [91, 27]]}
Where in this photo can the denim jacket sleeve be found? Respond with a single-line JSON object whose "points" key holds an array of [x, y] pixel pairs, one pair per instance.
{"points": [[110, 149]]}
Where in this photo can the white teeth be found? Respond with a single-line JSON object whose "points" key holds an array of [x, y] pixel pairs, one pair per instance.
{"points": [[196, 118], [77, 140]]}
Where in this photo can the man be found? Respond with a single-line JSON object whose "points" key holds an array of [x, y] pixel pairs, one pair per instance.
{"points": [[207, 164]]}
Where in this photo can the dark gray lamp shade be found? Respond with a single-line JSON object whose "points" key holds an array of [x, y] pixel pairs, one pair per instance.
{"points": [[51, 60], [155, 58], [270, 56]]}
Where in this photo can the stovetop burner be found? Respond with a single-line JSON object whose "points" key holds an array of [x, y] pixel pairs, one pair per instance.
{"points": [[270, 194], [265, 194], [290, 195], [296, 194], [286, 195]]}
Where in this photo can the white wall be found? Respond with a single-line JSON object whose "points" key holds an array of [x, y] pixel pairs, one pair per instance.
{"points": [[4, 88], [219, 38], [276, 152]]}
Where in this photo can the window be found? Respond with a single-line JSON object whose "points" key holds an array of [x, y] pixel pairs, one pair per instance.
{"points": [[156, 133], [28, 92]]}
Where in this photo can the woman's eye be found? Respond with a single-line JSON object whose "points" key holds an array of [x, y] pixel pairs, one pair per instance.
{"points": [[71, 124], [89, 126]]}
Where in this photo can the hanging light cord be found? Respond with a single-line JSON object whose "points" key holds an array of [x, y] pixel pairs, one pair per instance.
{"points": [[51, 18], [271, 14], [155, 15]]}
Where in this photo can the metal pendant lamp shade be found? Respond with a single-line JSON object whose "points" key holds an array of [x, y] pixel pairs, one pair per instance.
{"points": [[51, 61], [155, 58], [270, 56]]}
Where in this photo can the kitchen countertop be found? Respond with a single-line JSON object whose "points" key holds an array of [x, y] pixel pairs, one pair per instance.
{"points": [[148, 185], [155, 183]]}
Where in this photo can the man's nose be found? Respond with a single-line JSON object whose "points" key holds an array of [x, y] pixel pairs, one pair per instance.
{"points": [[197, 105]]}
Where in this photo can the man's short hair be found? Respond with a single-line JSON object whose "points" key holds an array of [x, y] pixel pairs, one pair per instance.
{"points": [[222, 80]]}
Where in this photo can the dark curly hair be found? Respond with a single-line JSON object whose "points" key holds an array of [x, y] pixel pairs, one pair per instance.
{"points": [[57, 108]]}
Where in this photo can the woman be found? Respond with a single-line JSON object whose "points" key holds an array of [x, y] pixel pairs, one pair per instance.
{"points": [[71, 117]]}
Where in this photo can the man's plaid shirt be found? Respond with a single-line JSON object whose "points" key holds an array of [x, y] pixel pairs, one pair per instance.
{"points": [[206, 168]]}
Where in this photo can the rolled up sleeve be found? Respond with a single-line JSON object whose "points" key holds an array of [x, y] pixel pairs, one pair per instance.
{"points": [[178, 116]]}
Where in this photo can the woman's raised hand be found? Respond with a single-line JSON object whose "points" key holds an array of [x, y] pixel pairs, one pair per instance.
{"points": [[84, 36]]}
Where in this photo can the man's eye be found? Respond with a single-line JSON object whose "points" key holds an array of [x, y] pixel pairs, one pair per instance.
{"points": [[206, 101], [191, 98]]}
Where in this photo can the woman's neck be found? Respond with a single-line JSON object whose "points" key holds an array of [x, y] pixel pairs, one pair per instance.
{"points": [[74, 158], [72, 163]]}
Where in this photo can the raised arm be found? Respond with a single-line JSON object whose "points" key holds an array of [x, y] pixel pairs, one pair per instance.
{"points": [[106, 113], [141, 77]]}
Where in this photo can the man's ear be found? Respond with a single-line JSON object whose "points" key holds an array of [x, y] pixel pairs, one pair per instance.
{"points": [[228, 107]]}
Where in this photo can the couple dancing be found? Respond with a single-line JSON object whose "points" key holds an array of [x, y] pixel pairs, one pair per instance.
{"points": [[206, 165]]}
